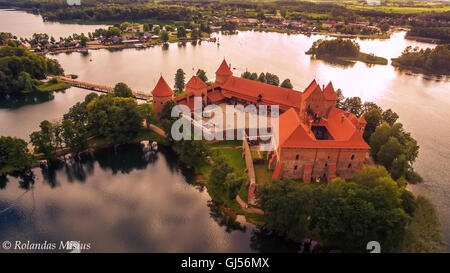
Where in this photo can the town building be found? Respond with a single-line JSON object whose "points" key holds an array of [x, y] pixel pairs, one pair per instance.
{"points": [[313, 140], [135, 28]]}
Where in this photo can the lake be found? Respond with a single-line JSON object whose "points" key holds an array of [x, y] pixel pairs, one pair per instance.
{"points": [[422, 103]]}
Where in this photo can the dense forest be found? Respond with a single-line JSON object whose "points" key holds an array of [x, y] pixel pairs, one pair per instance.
{"points": [[21, 70], [435, 60], [335, 48], [441, 33]]}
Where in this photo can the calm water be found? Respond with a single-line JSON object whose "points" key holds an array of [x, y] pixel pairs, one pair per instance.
{"points": [[423, 105], [122, 200], [24, 25]]}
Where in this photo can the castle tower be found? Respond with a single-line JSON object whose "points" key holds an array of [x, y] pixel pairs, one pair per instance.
{"points": [[197, 88], [361, 125], [161, 94], [223, 73]]}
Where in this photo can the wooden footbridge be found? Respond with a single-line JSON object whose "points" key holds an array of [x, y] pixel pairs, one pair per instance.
{"points": [[103, 88]]}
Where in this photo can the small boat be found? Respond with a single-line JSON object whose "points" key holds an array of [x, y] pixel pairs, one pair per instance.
{"points": [[408, 72]]}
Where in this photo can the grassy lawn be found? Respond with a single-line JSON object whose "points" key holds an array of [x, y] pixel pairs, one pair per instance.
{"points": [[401, 10], [234, 158], [262, 173], [226, 143], [144, 134], [48, 87]]}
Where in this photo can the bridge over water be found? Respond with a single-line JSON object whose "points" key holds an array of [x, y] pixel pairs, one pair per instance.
{"points": [[103, 88]]}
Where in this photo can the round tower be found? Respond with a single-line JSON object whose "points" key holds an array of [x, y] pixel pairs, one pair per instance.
{"points": [[161, 94]]}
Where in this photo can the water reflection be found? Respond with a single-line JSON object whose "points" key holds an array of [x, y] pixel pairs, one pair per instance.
{"points": [[335, 62], [18, 100], [121, 199]]}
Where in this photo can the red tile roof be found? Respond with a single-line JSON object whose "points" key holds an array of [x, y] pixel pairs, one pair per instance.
{"points": [[271, 94], [294, 133], [224, 69], [162, 89], [311, 87], [329, 92], [215, 96], [196, 83]]}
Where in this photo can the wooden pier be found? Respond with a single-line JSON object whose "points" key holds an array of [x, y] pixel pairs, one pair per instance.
{"points": [[103, 88]]}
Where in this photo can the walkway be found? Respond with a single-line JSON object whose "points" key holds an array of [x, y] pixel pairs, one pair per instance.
{"points": [[246, 208], [251, 171], [102, 88]]}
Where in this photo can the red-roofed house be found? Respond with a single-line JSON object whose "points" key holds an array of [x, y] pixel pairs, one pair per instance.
{"points": [[314, 140]]}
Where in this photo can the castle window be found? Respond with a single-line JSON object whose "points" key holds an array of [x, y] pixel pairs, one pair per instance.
{"points": [[295, 167], [329, 157], [326, 164], [296, 157], [349, 165], [353, 157]]}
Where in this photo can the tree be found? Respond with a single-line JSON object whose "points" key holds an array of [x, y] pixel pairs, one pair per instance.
{"points": [[75, 135], [83, 40], [14, 155], [195, 34], [384, 27], [389, 151], [373, 118], [164, 36], [368, 206], [340, 100], [286, 206], [179, 80], [390, 117], [218, 176], [191, 152], [147, 114], [423, 234], [166, 110], [156, 29], [334, 48], [287, 84], [262, 77], [43, 140], [353, 105], [202, 75], [246, 75], [233, 183], [78, 112], [122, 90], [115, 118], [392, 146], [272, 79], [181, 32]]}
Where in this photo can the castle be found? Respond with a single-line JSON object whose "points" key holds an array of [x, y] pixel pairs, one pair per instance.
{"points": [[315, 140]]}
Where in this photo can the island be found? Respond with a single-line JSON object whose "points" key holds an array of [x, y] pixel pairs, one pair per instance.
{"points": [[23, 71], [344, 50], [432, 61]]}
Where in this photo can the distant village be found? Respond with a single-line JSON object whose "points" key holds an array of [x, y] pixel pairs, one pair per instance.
{"points": [[135, 35]]}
